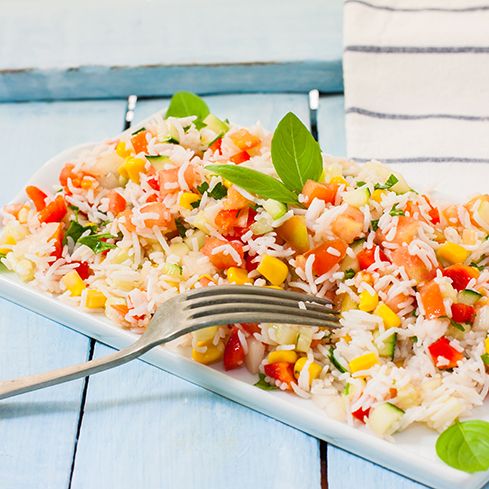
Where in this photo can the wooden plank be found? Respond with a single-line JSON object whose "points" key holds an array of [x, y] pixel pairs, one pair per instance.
{"points": [[38, 429], [108, 49], [146, 428], [345, 469]]}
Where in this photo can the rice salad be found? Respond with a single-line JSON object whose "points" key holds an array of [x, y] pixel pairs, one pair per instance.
{"points": [[140, 218]]}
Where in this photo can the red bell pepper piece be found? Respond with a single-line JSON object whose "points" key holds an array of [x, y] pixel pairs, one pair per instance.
{"points": [[442, 348], [463, 313], [282, 371], [460, 275], [58, 242], [361, 414], [240, 157], [366, 257], [234, 354], [37, 196], [324, 260], [55, 211]]}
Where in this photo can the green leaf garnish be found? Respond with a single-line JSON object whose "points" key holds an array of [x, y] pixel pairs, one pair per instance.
{"points": [[195, 204], [96, 242], [457, 325], [138, 131], [360, 183], [465, 446], [390, 182], [485, 358], [184, 104], [180, 227], [255, 182], [75, 230], [218, 192], [396, 212], [350, 273], [296, 155], [202, 188], [476, 265], [264, 385], [374, 224]]}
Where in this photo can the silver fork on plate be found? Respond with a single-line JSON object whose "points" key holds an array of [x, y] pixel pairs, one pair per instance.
{"points": [[189, 312]]}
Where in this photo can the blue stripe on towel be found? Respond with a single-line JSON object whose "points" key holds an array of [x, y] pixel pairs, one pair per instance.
{"points": [[477, 8], [417, 49], [411, 117], [426, 159]]}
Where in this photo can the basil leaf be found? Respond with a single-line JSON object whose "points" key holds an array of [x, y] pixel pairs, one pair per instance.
{"points": [[96, 244], [255, 182], [195, 204], [350, 273], [264, 385], [180, 227], [203, 187], [361, 183], [390, 182], [465, 446], [184, 104], [75, 230], [296, 155], [396, 212]]}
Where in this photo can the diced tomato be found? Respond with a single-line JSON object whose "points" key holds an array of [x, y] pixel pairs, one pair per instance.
{"points": [[324, 260], [168, 180], [152, 198], [234, 353], [55, 211], [361, 414], [216, 145], [58, 242], [249, 264], [243, 139], [117, 203], [414, 266], [83, 269], [432, 300], [37, 196], [225, 221], [396, 301], [282, 371], [221, 259], [251, 328], [154, 183], [349, 225], [366, 257], [461, 275], [322, 191], [235, 200], [240, 157], [463, 313], [442, 348], [163, 220], [139, 142], [407, 229]]}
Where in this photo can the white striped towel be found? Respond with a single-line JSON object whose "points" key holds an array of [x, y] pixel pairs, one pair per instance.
{"points": [[417, 80]]}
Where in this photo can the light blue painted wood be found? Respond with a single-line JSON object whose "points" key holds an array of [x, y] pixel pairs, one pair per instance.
{"points": [[331, 124], [145, 428], [108, 49], [37, 430]]}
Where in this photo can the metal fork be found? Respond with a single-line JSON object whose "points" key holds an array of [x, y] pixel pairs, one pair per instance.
{"points": [[189, 312]]}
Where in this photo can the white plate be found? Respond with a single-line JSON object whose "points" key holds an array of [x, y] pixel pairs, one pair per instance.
{"points": [[412, 453]]}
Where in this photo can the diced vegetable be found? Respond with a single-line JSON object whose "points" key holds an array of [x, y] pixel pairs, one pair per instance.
{"points": [[187, 199], [314, 369], [384, 419], [58, 237], [212, 354], [432, 300], [95, 299], [215, 124], [244, 140], [238, 276], [463, 313], [74, 283], [282, 371], [469, 297], [294, 232], [461, 275], [117, 203], [37, 196], [55, 211], [164, 218], [225, 258], [449, 355], [390, 318], [349, 225], [234, 353], [363, 362], [304, 339], [327, 255], [240, 157], [368, 302], [139, 142], [366, 257], [273, 269], [335, 361], [322, 191], [235, 200], [158, 161], [358, 197], [274, 208], [414, 266], [132, 168], [452, 253], [387, 347], [289, 356], [361, 414]]}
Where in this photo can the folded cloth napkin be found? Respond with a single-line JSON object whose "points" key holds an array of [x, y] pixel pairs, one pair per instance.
{"points": [[417, 80]]}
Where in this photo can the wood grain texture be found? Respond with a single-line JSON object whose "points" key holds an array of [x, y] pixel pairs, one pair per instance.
{"points": [[145, 428], [100, 49], [37, 430]]}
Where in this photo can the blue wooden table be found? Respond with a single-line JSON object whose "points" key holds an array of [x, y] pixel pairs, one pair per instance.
{"points": [[136, 426]]}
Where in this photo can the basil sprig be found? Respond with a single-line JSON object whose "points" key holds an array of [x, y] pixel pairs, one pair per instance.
{"points": [[255, 182], [185, 104], [296, 155], [97, 243], [465, 446], [390, 182]]}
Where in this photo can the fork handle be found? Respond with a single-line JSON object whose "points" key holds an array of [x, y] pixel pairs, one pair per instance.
{"points": [[29, 383]]}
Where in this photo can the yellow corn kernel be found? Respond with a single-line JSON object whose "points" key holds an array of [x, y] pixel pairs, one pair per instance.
{"points": [[121, 149], [212, 354], [486, 345], [95, 299], [339, 180], [238, 276], [377, 195], [390, 318], [289, 356], [274, 270], [207, 277], [368, 302], [187, 199], [347, 303], [205, 336], [74, 283], [363, 362], [131, 168], [314, 369], [452, 253]]}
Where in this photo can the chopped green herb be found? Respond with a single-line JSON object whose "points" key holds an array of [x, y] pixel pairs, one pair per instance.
{"points": [[414, 339], [457, 325], [97, 243], [195, 204], [390, 182], [350, 273], [138, 131], [171, 140], [360, 183], [75, 230], [396, 212], [203, 187], [3, 268], [485, 358], [180, 227], [219, 191], [476, 265], [374, 224], [264, 385], [346, 390]]}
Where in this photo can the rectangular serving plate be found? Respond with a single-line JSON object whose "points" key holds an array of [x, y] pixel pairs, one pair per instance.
{"points": [[412, 453]]}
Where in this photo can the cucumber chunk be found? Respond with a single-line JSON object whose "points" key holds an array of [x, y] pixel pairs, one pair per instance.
{"points": [[387, 348], [274, 208], [384, 419], [215, 124], [358, 197], [334, 360], [158, 161], [468, 297]]}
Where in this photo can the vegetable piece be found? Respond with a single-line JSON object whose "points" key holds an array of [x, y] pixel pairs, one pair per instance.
{"points": [[262, 384], [122, 150], [255, 354], [349, 225], [215, 124], [168, 180], [98, 242], [464, 446], [414, 266], [463, 313], [184, 104], [461, 275], [235, 200], [387, 348], [358, 197], [187, 199], [83, 269], [273, 269], [274, 208], [390, 318], [368, 302], [449, 355], [132, 168], [216, 145], [296, 154], [327, 255], [55, 211], [139, 142], [432, 300], [224, 258], [390, 182], [282, 371], [469, 297], [162, 216], [361, 414], [452, 253], [334, 360], [37, 196], [289, 356], [58, 238], [117, 203], [366, 257], [294, 232], [363, 362], [384, 419], [226, 220], [74, 283], [238, 276], [244, 140], [314, 190], [240, 157], [234, 354], [255, 182], [212, 354], [314, 369], [304, 340], [95, 299]]}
